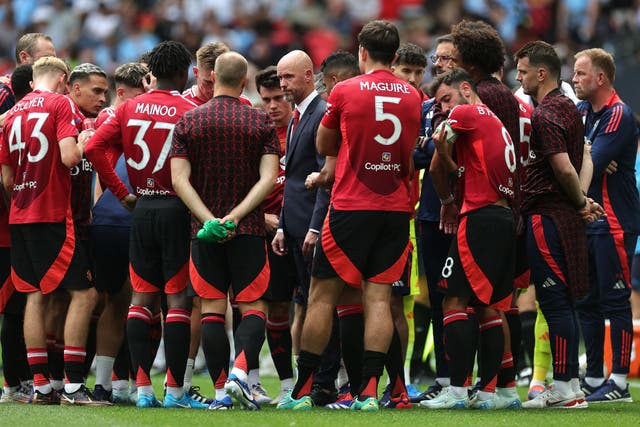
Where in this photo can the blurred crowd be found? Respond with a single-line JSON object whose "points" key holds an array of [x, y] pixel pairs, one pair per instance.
{"points": [[112, 32]]}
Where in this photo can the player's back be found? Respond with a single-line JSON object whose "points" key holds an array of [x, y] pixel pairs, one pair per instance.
{"points": [[379, 117], [227, 136], [146, 125], [42, 183], [486, 153]]}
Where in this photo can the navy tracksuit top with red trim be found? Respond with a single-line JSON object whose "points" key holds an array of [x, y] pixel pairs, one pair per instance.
{"points": [[614, 134]]}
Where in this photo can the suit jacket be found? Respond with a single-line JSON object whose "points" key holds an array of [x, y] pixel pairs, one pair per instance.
{"points": [[303, 209]]}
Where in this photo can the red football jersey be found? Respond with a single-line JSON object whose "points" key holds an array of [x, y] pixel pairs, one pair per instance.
{"points": [[42, 183], [272, 204], [190, 94], [379, 118], [525, 131], [143, 127], [485, 154], [113, 153]]}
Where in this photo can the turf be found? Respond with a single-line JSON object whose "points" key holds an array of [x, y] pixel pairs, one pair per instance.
{"points": [[606, 414]]}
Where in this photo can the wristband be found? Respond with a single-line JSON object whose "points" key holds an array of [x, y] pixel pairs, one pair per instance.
{"points": [[447, 201]]}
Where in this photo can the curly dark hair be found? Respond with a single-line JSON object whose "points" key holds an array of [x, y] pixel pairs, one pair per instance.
{"points": [[169, 59], [479, 45]]}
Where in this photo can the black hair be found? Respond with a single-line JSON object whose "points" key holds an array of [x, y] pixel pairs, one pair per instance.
{"points": [[169, 59], [410, 54], [380, 39], [541, 54], [21, 81], [340, 61], [451, 78], [268, 78]]}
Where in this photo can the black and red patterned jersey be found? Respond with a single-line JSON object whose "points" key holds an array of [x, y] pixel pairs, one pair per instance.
{"points": [[224, 140], [556, 127], [143, 127], [273, 202], [32, 130], [81, 188]]}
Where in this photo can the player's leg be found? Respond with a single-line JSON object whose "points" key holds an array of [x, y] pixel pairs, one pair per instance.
{"points": [[210, 281], [548, 273], [436, 246], [614, 279], [110, 249], [591, 316]]}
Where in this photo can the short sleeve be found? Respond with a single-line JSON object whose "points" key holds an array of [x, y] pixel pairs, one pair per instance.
{"points": [[271, 143], [179, 141], [65, 123]]}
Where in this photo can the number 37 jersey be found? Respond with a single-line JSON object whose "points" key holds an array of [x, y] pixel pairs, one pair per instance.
{"points": [[29, 144], [143, 127], [378, 116]]}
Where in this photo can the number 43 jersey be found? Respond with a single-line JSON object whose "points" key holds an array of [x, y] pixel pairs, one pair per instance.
{"points": [[378, 116], [485, 155], [30, 136], [143, 128]]}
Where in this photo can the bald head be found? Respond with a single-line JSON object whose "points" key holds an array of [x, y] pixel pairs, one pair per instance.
{"points": [[295, 71], [229, 75]]}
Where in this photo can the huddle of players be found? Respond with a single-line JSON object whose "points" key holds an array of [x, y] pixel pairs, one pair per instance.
{"points": [[162, 125]]}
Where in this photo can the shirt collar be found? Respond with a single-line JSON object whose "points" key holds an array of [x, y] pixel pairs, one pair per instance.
{"points": [[302, 107]]}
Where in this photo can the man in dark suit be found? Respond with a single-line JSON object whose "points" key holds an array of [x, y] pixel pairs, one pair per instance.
{"points": [[303, 211]]}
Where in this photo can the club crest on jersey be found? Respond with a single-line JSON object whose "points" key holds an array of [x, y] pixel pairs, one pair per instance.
{"points": [[151, 183], [386, 157]]}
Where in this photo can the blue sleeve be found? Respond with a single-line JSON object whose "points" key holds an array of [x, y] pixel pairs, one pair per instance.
{"points": [[422, 156], [616, 130], [7, 99]]}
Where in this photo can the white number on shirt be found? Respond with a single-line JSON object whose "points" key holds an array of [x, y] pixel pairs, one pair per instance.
{"points": [[16, 142], [144, 147], [525, 135], [381, 116], [509, 151]]}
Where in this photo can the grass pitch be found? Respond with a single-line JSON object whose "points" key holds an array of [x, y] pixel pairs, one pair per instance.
{"points": [[604, 414]]}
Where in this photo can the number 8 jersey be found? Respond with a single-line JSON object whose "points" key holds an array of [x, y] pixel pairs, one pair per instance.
{"points": [[378, 116], [485, 155], [143, 128], [30, 136]]}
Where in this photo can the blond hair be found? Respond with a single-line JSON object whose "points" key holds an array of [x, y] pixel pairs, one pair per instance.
{"points": [[207, 54], [49, 65], [601, 59]]}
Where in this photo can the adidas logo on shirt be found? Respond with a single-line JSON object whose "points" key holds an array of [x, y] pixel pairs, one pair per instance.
{"points": [[619, 285], [548, 283]]}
